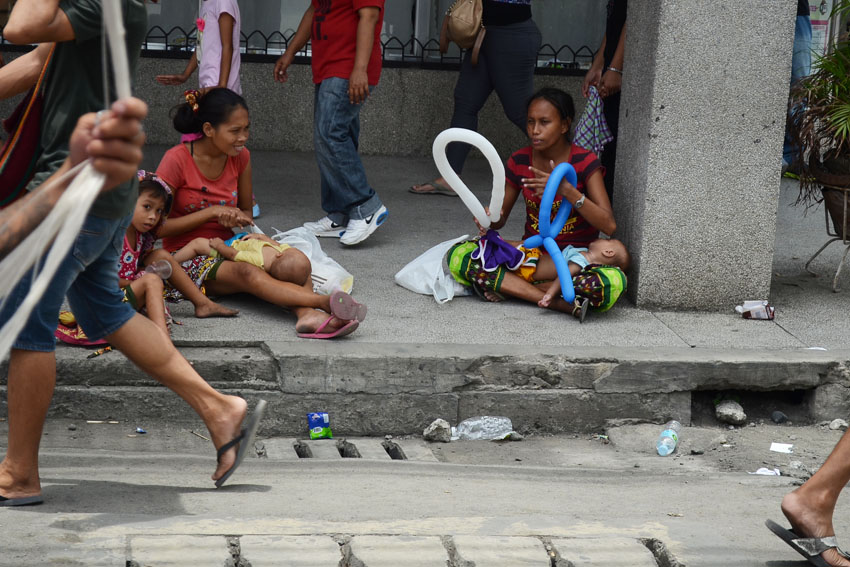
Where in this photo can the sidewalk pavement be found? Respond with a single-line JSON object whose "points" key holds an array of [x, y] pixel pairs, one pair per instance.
{"points": [[413, 360], [808, 313], [113, 497]]}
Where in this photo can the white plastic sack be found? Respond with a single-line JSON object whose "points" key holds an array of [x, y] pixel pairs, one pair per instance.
{"points": [[426, 274], [327, 274], [250, 229]]}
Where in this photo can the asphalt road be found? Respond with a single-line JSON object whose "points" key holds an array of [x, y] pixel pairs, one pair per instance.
{"points": [[113, 495]]}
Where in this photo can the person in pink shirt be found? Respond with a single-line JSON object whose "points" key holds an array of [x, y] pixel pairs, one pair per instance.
{"points": [[217, 57]]}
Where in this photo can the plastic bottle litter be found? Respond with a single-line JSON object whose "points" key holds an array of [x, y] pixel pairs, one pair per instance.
{"points": [[483, 427], [162, 268], [669, 438]]}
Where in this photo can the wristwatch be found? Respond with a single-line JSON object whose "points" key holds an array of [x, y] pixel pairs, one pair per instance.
{"points": [[580, 203]]}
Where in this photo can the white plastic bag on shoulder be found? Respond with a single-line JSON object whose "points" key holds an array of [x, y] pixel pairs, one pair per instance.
{"points": [[427, 275], [327, 275]]}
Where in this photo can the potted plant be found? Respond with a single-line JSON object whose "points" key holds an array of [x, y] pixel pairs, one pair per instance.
{"points": [[820, 128]]}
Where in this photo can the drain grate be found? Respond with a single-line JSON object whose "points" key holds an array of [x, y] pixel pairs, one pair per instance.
{"points": [[394, 450], [348, 450], [662, 555], [302, 450], [555, 559], [455, 559]]}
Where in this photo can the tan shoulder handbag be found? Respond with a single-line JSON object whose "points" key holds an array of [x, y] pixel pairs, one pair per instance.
{"points": [[464, 26]]}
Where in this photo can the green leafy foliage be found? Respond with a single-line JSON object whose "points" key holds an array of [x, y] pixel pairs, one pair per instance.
{"points": [[820, 112]]}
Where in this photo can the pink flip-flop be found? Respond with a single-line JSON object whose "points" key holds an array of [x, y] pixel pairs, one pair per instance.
{"points": [[346, 329], [344, 307]]}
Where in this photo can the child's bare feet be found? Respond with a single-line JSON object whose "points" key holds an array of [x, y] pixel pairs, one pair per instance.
{"points": [[224, 427], [213, 309], [811, 517]]}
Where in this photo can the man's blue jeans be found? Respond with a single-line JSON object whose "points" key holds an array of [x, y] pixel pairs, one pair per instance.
{"points": [[801, 66], [346, 193], [89, 277]]}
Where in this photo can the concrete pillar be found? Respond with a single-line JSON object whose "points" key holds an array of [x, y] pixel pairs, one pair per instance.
{"points": [[698, 163]]}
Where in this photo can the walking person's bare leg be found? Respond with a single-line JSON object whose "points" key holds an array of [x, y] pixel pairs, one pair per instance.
{"points": [[810, 507], [32, 378], [154, 353]]}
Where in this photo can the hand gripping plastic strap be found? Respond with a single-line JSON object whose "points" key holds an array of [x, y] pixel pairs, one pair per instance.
{"points": [[59, 230]]}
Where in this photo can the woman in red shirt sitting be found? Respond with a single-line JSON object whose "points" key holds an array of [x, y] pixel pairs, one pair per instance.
{"points": [[550, 117], [551, 113], [211, 180]]}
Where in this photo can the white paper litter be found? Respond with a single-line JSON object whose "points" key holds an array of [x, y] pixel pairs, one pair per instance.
{"points": [[781, 447], [766, 472]]}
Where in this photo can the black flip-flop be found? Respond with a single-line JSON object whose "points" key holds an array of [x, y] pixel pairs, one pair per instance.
{"points": [[25, 501], [245, 440], [809, 547], [439, 189], [580, 303]]}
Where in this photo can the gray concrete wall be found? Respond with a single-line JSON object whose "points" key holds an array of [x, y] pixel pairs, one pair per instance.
{"points": [[697, 181], [408, 109]]}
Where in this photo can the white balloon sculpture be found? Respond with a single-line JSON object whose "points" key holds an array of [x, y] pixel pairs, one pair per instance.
{"points": [[471, 201]]}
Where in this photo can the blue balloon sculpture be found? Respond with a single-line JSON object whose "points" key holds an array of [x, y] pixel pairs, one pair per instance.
{"points": [[549, 229]]}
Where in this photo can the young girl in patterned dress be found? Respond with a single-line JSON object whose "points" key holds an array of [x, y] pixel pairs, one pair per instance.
{"points": [[145, 289]]}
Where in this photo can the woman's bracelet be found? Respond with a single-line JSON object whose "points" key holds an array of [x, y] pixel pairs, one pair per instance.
{"points": [[615, 70]]}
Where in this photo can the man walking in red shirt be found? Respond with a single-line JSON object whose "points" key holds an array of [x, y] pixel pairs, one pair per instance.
{"points": [[346, 58]]}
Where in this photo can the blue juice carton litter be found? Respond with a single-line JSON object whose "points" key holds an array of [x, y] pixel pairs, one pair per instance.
{"points": [[319, 425]]}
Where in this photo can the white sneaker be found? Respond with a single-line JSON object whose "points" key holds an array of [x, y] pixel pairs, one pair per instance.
{"points": [[359, 230], [325, 227]]}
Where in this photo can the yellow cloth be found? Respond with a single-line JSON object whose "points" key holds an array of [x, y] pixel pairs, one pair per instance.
{"points": [[251, 251], [67, 318], [529, 263]]}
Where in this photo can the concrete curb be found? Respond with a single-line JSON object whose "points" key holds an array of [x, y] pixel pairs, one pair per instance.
{"points": [[401, 388]]}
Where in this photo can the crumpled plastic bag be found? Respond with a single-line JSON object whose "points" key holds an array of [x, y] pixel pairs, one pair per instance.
{"points": [[328, 275], [428, 275]]}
